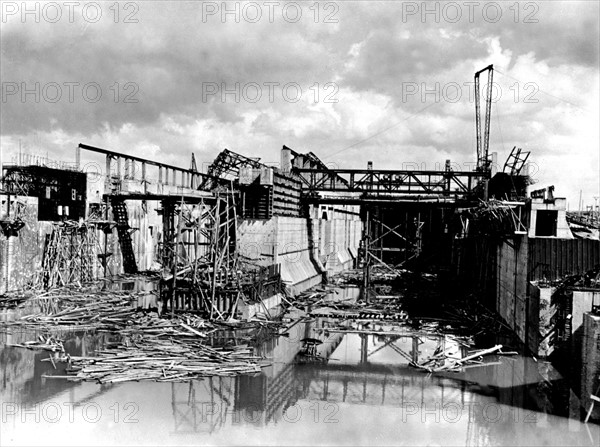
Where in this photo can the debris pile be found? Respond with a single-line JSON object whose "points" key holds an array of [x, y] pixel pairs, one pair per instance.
{"points": [[86, 307], [169, 359], [324, 302], [149, 347], [447, 360], [44, 343]]}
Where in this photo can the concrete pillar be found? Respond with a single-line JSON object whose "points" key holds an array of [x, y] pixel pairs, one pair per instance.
{"points": [[366, 243], [275, 240], [494, 166], [4, 268], [10, 249], [364, 348], [526, 171], [415, 349], [286, 159], [77, 159], [144, 177]]}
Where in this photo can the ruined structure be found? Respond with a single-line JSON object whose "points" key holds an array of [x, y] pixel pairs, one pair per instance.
{"points": [[233, 242]]}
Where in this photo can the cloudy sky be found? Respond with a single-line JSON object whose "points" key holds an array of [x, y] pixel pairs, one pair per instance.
{"points": [[351, 81]]}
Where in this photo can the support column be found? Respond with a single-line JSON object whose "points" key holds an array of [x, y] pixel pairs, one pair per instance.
{"points": [[77, 159], [108, 175], [286, 159], [366, 242], [144, 178], [415, 349], [364, 348]]}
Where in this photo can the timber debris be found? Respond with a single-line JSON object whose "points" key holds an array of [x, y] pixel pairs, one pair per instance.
{"points": [[163, 359], [445, 361], [150, 347]]}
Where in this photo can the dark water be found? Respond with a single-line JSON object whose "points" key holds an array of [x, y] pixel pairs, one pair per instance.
{"points": [[353, 389]]}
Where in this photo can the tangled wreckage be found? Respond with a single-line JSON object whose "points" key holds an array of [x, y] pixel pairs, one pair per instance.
{"points": [[98, 243]]}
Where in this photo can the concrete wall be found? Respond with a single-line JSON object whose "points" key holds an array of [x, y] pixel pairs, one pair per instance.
{"points": [[526, 306], [560, 205], [540, 321], [300, 266], [582, 303], [339, 236], [511, 290], [147, 225], [21, 256], [590, 354], [339, 241], [305, 248]]}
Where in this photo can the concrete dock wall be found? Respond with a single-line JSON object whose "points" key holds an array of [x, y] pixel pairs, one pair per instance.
{"points": [[590, 354], [22, 255], [339, 242], [147, 226], [305, 248], [522, 301], [540, 323], [511, 290]]}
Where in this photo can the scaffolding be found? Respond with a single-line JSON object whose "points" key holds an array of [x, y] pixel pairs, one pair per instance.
{"points": [[70, 255], [12, 219], [199, 250]]}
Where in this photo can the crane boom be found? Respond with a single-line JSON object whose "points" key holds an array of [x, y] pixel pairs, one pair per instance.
{"points": [[483, 162]]}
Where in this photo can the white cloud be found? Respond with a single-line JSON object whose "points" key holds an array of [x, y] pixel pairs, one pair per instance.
{"points": [[368, 53]]}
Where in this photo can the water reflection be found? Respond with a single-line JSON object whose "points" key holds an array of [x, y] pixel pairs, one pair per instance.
{"points": [[354, 389]]}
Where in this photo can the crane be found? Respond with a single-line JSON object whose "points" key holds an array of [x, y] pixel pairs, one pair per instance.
{"points": [[483, 162]]}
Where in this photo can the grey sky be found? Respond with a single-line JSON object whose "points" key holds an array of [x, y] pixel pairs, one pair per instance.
{"points": [[171, 56]]}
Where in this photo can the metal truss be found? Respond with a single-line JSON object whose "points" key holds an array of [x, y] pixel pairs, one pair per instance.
{"points": [[227, 166], [516, 161], [120, 167], [461, 184]]}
